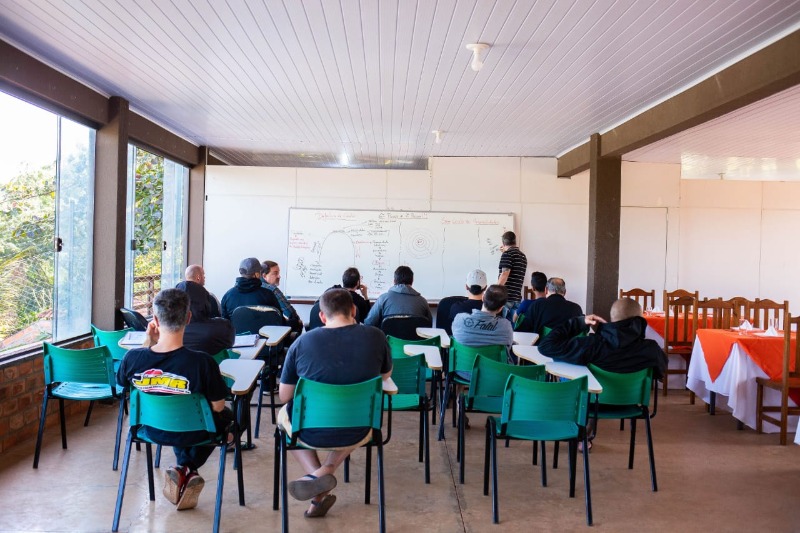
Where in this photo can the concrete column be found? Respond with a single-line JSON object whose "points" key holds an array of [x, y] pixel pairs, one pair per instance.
{"points": [[197, 203]]}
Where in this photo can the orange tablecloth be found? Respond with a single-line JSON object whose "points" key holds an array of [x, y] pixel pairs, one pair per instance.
{"points": [[657, 322], [766, 352]]}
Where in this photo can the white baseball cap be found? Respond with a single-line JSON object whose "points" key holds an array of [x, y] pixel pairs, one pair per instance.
{"points": [[476, 277]]}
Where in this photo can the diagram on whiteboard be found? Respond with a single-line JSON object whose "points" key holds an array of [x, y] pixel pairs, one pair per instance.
{"points": [[440, 247]]}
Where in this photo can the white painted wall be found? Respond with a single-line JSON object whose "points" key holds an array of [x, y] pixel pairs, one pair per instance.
{"points": [[722, 238]]}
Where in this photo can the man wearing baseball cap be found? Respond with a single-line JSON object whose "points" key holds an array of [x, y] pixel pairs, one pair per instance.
{"points": [[248, 290], [475, 285]]}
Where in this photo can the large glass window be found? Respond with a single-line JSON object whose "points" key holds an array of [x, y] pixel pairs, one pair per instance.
{"points": [[46, 210], [157, 226]]}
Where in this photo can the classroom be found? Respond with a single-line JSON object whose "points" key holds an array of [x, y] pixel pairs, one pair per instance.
{"points": [[628, 144]]}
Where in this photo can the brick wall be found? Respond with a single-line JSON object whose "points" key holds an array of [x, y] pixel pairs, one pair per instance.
{"points": [[21, 391]]}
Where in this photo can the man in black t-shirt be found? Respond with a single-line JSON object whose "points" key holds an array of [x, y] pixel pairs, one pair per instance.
{"points": [[341, 353], [165, 366], [513, 265], [351, 280]]}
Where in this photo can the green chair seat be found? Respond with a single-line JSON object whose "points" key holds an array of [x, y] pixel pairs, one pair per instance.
{"points": [[543, 430], [84, 391]]}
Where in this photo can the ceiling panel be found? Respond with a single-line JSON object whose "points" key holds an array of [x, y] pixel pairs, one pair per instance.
{"points": [[347, 83]]}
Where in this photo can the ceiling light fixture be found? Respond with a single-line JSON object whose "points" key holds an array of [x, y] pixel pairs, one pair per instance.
{"points": [[438, 135], [477, 49]]}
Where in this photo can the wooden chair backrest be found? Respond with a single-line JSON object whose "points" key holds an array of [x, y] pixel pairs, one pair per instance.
{"points": [[713, 314], [787, 350], [644, 298], [763, 310], [527, 293], [742, 308], [679, 333]]}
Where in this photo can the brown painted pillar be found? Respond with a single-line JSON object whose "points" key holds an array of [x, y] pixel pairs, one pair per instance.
{"points": [[605, 183], [110, 202], [197, 203]]}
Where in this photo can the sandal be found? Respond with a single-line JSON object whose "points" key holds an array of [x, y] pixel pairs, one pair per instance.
{"points": [[321, 507], [310, 485]]}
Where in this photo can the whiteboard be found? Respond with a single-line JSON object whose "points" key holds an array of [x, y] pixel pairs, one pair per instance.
{"points": [[440, 247]]}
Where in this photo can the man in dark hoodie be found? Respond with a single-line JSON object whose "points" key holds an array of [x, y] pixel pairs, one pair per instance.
{"points": [[400, 299], [616, 346], [205, 332], [248, 289]]}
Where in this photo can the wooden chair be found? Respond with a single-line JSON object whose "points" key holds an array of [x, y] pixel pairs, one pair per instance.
{"points": [[644, 298], [742, 308], [713, 314], [679, 334], [788, 380], [763, 310], [527, 293]]}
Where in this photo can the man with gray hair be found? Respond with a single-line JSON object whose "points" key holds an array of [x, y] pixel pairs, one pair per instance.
{"points": [[165, 366], [248, 289], [551, 311]]}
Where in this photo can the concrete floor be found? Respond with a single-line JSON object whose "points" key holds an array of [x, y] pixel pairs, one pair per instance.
{"points": [[711, 478]]}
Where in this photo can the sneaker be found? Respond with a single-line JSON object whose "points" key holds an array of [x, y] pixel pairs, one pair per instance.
{"points": [[191, 491], [174, 479]]}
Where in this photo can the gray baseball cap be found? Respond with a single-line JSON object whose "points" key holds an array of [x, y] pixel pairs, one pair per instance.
{"points": [[249, 266]]}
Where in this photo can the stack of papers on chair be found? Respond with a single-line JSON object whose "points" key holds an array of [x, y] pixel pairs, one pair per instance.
{"points": [[134, 338], [244, 341]]}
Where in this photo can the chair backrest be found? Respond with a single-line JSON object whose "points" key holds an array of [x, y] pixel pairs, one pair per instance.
{"points": [[90, 365], [171, 412], [788, 354], [396, 345], [624, 389], [525, 399], [443, 312], [527, 293], [462, 357], [647, 299], [404, 326], [110, 339], [314, 321], [408, 373], [713, 314], [319, 405], [250, 319], [133, 319], [679, 322], [546, 331], [489, 377], [763, 310], [742, 308], [221, 356]]}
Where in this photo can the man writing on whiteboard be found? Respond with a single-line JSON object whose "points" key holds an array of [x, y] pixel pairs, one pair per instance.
{"points": [[513, 265]]}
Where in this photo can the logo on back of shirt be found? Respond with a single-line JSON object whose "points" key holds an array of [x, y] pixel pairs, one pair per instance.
{"points": [[480, 323], [154, 380]]}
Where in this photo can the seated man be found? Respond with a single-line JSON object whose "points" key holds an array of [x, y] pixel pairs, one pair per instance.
{"points": [[271, 278], [195, 274], [248, 289], [484, 327], [619, 346], [341, 353], [400, 299], [476, 285], [539, 287], [163, 354], [551, 311], [205, 333], [351, 280]]}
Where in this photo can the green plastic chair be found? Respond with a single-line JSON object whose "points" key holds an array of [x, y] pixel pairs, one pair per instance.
{"points": [[485, 394], [83, 375], [627, 396], [408, 374], [546, 331], [540, 411], [461, 359], [177, 413], [396, 345], [109, 339], [319, 405]]}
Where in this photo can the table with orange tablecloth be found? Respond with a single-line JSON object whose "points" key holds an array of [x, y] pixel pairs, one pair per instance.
{"points": [[728, 364], [656, 324]]}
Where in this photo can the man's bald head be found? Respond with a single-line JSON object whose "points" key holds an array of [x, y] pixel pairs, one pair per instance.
{"points": [[625, 308], [195, 273]]}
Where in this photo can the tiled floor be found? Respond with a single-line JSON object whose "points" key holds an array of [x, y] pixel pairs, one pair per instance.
{"points": [[711, 478]]}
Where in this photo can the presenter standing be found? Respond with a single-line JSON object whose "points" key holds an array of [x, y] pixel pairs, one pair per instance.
{"points": [[513, 265]]}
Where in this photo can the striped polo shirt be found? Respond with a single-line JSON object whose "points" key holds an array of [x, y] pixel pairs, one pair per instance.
{"points": [[515, 260]]}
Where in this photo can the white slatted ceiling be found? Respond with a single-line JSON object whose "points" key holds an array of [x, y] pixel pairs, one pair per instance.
{"points": [[322, 82]]}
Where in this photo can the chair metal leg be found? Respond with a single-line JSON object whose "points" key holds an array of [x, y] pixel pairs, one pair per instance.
{"points": [[555, 454], [157, 464], [122, 479], [368, 475], [435, 377], [39, 435], [220, 485], [276, 470], [150, 482], [237, 459], [260, 402], [420, 445], [572, 460], [461, 452], [88, 413], [633, 444], [653, 481], [712, 403], [272, 397], [622, 424], [347, 469], [544, 467], [495, 498], [381, 494], [63, 420], [486, 459], [587, 487], [535, 460], [284, 490], [118, 437], [427, 439]]}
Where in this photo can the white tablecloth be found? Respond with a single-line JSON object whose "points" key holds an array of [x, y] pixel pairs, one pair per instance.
{"points": [[674, 361], [735, 387]]}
